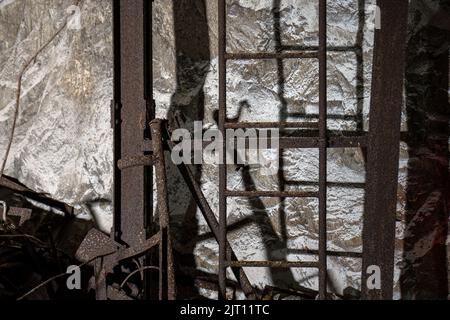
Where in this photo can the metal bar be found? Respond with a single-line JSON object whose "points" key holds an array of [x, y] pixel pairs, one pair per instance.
{"points": [[222, 167], [271, 55], [383, 147], [355, 48], [338, 184], [131, 214], [136, 161], [273, 264], [343, 254], [271, 194], [300, 142], [150, 259], [323, 144], [271, 125], [166, 266], [116, 120]]}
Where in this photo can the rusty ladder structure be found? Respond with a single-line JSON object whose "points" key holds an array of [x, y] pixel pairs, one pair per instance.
{"points": [[140, 141], [382, 147]]}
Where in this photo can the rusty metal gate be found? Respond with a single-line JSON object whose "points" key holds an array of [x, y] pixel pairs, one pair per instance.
{"points": [[140, 141]]}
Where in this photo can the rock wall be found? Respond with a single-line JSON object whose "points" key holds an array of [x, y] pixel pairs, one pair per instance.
{"points": [[63, 140]]}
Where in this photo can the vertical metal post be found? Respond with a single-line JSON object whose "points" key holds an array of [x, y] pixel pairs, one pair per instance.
{"points": [[383, 149], [222, 167], [132, 110], [166, 271], [133, 113], [116, 120], [323, 145]]}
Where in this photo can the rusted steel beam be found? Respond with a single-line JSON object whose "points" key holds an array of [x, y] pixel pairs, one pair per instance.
{"points": [[132, 110], [116, 121], [323, 145], [383, 147], [166, 266], [130, 95]]}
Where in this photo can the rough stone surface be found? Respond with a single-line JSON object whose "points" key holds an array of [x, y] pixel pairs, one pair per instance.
{"points": [[62, 144]]}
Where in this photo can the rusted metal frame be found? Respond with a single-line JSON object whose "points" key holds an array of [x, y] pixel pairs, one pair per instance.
{"points": [[383, 147], [223, 254], [166, 265], [210, 218], [323, 148], [323, 142]]}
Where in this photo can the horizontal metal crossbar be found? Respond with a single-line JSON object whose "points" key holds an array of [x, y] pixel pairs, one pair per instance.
{"points": [[272, 55], [301, 142], [271, 194], [272, 125], [273, 264]]}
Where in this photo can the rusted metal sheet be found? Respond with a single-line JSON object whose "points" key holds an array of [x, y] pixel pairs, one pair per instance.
{"points": [[383, 147]]}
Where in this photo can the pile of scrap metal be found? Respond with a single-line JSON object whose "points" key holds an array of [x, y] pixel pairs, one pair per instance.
{"points": [[36, 244]]}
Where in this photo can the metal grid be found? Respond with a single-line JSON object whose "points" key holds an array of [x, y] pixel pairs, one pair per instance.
{"points": [[389, 131], [321, 142]]}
